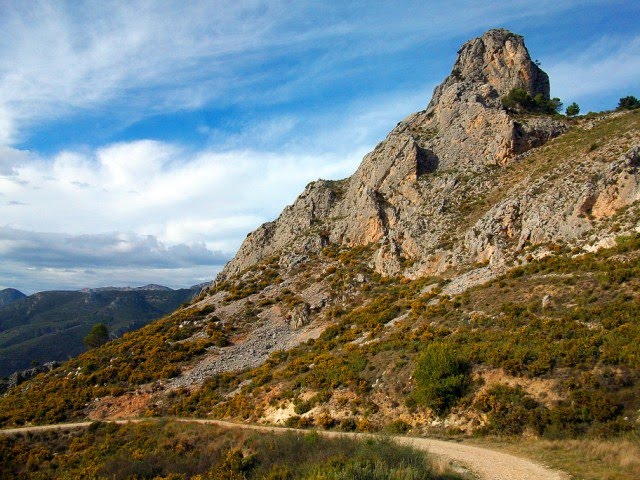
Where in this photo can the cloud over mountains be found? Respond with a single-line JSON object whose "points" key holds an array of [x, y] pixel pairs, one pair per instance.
{"points": [[163, 132]]}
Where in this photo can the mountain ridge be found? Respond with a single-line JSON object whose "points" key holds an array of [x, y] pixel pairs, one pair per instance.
{"points": [[9, 295], [50, 325], [404, 183], [504, 241], [151, 286]]}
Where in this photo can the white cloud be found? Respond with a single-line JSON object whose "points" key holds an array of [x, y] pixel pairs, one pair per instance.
{"points": [[141, 58], [611, 64], [7, 132], [132, 164], [168, 204], [54, 250], [41, 260], [10, 158]]}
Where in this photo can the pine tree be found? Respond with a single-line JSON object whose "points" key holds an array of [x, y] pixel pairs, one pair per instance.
{"points": [[98, 335], [573, 110]]}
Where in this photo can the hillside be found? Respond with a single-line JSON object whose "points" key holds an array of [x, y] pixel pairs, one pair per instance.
{"points": [[477, 274], [9, 295], [50, 326]]}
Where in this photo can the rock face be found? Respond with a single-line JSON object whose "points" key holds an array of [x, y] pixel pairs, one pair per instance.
{"points": [[422, 195], [499, 59], [17, 378]]}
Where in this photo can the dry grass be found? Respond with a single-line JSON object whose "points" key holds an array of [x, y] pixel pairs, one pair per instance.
{"points": [[603, 136], [617, 459]]}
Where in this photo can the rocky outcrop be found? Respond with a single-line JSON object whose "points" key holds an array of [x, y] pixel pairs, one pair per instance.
{"points": [[17, 378], [498, 59], [421, 196]]}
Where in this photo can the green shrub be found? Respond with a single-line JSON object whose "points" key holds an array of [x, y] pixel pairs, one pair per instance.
{"points": [[292, 422], [519, 100], [573, 110], [347, 425], [99, 335], [628, 103], [398, 427], [510, 410], [441, 378]]}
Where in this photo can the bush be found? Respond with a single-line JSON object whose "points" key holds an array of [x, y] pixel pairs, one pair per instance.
{"points": [[573, 110], [347, 425], [398, 427], [519, 100], [509, 410], [441, 378], [292, 422], [628, 103]]}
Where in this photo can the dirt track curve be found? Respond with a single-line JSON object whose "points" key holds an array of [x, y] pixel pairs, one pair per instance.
{"points": [[485, 463]]}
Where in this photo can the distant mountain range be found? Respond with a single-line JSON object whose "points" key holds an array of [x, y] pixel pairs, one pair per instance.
{"points": [[51, 325], [150, 287], [9, 295]]}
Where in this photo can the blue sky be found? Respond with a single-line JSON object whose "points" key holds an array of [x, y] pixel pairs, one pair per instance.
{"points": [[141, 141]]}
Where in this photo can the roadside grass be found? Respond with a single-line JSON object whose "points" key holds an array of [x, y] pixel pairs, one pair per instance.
{"points": [[178, 451], [583, 459]]}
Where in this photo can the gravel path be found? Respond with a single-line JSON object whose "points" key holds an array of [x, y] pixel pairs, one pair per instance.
{"points": [[485, 463]]}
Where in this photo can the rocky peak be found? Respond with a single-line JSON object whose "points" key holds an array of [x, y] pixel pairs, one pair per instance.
{"points": [[495, 63], [402, 195]]}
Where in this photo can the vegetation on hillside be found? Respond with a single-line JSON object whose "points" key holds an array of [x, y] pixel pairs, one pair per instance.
{"points": [[519, 100], [98, 335], [628, 103], [175, 451], [549, 349], [583, 345], [440, 377], [154, 352], [50, 326], [573, 110]]}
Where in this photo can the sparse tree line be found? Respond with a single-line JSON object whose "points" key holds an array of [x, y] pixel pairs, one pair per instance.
{"points": [[518, 100]]}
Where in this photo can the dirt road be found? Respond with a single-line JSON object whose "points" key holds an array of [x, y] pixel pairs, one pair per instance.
{"points": [[485, 463]]}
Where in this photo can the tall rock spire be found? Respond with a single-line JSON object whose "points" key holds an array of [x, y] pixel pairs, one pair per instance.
{"points": [[400, 196], [498, 61]]}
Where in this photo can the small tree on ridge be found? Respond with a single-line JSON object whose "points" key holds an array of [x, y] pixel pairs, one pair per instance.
{"points": [[98, 335], [573, 110], [628, 103]]}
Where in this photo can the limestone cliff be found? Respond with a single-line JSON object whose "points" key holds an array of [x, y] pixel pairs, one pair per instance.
{"points": [[421, 196]]}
